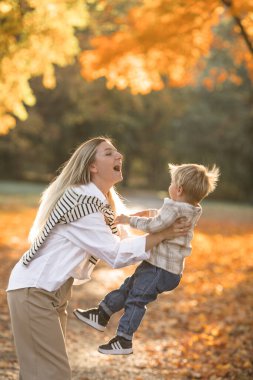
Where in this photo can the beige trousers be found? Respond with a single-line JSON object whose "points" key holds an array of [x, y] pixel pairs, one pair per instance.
{"points": [[38, 320]]}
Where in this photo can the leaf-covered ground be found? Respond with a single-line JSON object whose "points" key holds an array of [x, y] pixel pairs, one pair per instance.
{"points": [[201, 330]]}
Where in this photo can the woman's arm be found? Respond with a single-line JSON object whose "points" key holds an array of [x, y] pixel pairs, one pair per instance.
{"points": [[92, 235]]}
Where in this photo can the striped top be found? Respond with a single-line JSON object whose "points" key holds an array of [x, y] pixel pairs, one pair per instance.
{"points": [[70, 207]]}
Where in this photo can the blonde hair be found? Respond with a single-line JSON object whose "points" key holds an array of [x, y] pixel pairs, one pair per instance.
{"points": [[197, 181], [76, 171]]}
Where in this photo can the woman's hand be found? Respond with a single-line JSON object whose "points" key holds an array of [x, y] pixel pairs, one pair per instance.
{"points": [[179, 228]]}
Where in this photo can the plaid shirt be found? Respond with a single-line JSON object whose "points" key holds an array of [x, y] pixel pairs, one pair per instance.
{"points": [[169, 254]]}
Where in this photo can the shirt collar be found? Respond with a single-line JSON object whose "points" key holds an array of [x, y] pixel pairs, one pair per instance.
{"points": [[93, 190], [168, 200]]}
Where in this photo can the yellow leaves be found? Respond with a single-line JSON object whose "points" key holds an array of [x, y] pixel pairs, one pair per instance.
{"points": [[30, 99], [34, 39], [130, 71], [5, 7], [156, 39], [201, 330], [19, 111], [212, 306], [229, 251], [49, 77], [247, 364], [7, 122]]}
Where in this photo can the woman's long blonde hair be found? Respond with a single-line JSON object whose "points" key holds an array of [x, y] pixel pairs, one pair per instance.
{"points": [[76, 171]]}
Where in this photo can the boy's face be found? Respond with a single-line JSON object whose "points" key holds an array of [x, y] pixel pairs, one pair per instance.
{"points": [[173, 191]]}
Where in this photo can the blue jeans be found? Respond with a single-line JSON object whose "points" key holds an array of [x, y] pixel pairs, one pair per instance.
{"points": [[135, 293]]}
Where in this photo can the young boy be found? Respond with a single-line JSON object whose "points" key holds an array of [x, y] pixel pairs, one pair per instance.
{"points": [[190, 183]]}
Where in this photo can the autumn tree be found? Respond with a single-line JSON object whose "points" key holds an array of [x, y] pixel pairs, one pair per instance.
{"points": [[165, 41], [140, 44], [35, 35]]}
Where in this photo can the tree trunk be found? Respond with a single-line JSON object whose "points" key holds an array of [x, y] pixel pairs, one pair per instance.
{"points": [[228, 4]]}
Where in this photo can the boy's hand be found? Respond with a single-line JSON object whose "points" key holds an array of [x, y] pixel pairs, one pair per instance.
{"points": [[122, 219]]}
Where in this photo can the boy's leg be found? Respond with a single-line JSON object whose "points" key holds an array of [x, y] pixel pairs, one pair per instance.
{"points": [[143, 291], [98, 318], [143, 283], [115, 300], [148, 282]]}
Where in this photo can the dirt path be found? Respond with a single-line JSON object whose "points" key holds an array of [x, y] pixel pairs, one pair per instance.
{"points": [[82, 341], [88, 364]]}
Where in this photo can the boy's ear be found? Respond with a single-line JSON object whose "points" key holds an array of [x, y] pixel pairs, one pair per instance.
{"points": [[180, 190]]}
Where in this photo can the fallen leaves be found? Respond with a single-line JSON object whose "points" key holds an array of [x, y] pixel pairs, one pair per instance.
{"points": [[201, 330]]}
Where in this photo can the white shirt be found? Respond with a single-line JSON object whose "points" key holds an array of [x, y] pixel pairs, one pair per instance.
{"points": [[67, 249]]}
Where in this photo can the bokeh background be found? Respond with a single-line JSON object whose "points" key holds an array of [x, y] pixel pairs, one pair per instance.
{"points": [[168, 81]]}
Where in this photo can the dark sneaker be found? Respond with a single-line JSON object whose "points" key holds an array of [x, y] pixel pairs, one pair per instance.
{"points": [[116, 346], [96, 318]]}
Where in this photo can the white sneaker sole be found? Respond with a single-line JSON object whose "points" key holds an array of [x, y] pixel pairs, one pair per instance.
{"points": [[125, 351], [88, 321]]}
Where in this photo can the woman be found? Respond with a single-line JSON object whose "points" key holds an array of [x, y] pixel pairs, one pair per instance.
{"points": [[68, 236]]}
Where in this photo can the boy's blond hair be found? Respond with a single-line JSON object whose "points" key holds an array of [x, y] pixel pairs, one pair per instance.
{"points": [[196, 180]]}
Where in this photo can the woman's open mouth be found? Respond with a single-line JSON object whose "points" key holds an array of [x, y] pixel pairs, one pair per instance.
{"points": [[117, 168]]}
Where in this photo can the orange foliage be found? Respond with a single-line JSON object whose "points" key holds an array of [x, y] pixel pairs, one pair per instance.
{"points": [[203, 329], [35, 35], [164, 38], [156, 39]]}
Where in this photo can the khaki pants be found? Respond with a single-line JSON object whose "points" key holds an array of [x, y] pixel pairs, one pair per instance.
{"points": [[38, 322]]}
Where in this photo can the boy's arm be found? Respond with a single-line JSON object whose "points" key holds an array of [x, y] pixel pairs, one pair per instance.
{"points": [[125, 219], [146, 213], [166, 216]]}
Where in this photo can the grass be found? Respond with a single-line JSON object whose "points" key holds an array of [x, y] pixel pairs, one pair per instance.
{"points": [[201, 330], [14, 194]]}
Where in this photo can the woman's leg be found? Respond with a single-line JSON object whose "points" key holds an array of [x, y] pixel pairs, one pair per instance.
{"points": [[64, 295], [38, 335]]}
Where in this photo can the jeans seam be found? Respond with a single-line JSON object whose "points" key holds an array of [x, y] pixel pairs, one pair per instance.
{"points": [[144, 293]]}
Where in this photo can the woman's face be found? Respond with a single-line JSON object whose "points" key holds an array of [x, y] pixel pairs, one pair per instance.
{"points": [[107, 166]]}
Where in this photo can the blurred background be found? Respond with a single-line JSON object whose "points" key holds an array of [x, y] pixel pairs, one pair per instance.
{"points": [[179, 79], [168, 81]]}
